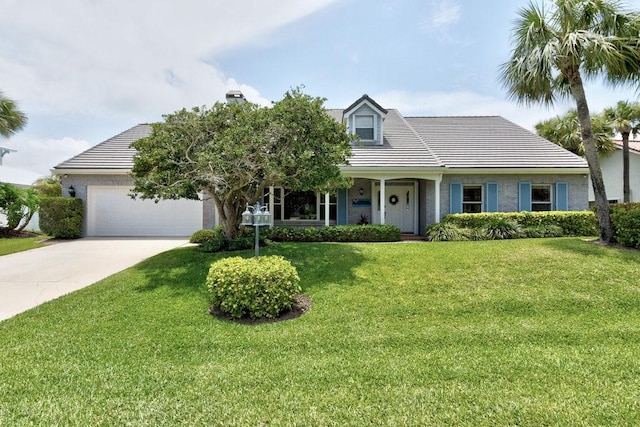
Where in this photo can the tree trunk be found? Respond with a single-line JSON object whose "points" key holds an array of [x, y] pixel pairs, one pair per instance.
{"points": [[591, 154], [625, 167]]}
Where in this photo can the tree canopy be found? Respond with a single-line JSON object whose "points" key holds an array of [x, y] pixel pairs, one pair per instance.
{"points": [[232, 152], [565, 131], [11, 118], [555, 49]]}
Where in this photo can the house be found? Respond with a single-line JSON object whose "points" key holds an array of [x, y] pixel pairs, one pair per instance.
{"points": [[407, 171], [611, 166]]}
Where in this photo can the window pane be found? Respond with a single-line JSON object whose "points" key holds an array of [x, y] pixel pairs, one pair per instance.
{"points": [[300, 204], [540, 207], [541, 194], [365, 133], [472, 194], [364, 121], [471, 207]]}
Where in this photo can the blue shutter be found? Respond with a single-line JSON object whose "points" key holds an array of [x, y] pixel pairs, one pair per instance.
{"points": [[491, 197], [562, 196], [341, 206], [524, 196], [455, 197]]}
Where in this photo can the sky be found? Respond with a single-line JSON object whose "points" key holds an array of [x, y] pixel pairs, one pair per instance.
{"points": [[86, 70]]}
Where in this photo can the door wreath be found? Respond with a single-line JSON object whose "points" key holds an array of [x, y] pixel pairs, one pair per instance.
{"points": [[393, 199]]}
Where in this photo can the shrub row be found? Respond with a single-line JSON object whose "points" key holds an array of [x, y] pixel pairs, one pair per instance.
{"points": [[336, 233], [254, 287], [626, 224], [61, 217], [214, 240], [572, 223], [499, 229]]}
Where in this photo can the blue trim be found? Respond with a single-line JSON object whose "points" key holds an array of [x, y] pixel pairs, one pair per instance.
{"points": [[455, 197], [341, 206], [524, 196], [491, 197], [562, 196]]}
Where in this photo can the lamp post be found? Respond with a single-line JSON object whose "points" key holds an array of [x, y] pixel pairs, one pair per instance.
{"points": [[256, 216]]}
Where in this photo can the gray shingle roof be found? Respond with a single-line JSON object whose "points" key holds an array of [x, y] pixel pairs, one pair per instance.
{"points": [[411, 142], [490, 142], [402, 147], [114, 153]]}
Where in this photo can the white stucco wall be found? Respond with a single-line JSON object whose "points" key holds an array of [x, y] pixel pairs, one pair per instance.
{"points": [[612, 175]]}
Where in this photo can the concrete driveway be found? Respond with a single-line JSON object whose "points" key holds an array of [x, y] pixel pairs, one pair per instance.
{"points": [[30, 278]]}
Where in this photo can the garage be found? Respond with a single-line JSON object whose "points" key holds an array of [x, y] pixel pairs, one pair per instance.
{"points": [[112, 212]]}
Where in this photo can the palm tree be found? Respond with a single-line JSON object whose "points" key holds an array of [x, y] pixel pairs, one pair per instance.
{"points": [[625, 118], [565, 132], [11, 119], [553, 50]]}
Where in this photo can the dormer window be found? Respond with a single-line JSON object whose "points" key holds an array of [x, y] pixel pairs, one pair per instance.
{"points": [[365, 119], [365, 127]]}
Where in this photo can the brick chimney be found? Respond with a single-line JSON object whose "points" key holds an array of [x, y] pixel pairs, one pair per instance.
{"points": [[235, 97]]}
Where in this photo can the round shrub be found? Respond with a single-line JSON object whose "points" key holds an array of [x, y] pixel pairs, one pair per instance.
{"points": [[203, 235], [253, 287]]}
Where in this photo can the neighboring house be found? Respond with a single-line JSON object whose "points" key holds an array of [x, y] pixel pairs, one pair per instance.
{"points": [[407, 171], [611, 166]]}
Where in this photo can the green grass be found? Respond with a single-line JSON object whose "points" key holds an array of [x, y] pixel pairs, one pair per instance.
{"points": [[521, 332], [19, 244]]}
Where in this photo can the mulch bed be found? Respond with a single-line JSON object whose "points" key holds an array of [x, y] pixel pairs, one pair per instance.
{"points": [[8, 234], [301, 304]]}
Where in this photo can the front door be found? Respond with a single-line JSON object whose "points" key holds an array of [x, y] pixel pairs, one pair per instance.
{"points": [[400, 206]]}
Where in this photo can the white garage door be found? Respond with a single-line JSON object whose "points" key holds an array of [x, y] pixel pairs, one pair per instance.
{"points": [[111, 212]]}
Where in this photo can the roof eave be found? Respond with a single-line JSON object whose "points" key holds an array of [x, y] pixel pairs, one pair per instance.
{"points": [[90, 171]]}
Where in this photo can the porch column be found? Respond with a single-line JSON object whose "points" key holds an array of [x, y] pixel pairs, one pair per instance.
{"points": [[383, 199], [272, 199], [436, 205], [327, 211]]}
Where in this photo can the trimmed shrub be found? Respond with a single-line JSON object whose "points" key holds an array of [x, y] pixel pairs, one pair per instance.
{"points": [[214, 240], [204, 235], [573, 223], [253, 287], [444, 232], [61, 217], [626, 224], [336, 233], [543, 231], [502, 228]]}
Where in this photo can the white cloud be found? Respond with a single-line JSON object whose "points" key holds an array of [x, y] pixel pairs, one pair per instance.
{"points": [[39, 155], [128, 59], [441, 15]]}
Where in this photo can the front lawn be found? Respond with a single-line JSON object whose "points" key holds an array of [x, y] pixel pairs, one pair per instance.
{"points": [[19, 244], [520, 332]]}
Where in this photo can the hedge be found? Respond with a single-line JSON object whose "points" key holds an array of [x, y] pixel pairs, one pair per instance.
{"points": [[573, 223], [61, 217], [336, 233], [625, 218]]}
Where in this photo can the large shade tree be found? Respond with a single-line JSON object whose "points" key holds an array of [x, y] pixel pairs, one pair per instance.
{"points": [[11, 118], [232, 152], [625, 118], [565, 132], [554, 49]]}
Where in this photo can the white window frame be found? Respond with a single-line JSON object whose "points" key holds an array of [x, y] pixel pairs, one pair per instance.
{"points": [[480, 202], [541, 203], [374, 119]]}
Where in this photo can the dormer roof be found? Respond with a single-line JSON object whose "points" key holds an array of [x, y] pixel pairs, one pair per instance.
{"points": [[365, 100]]}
